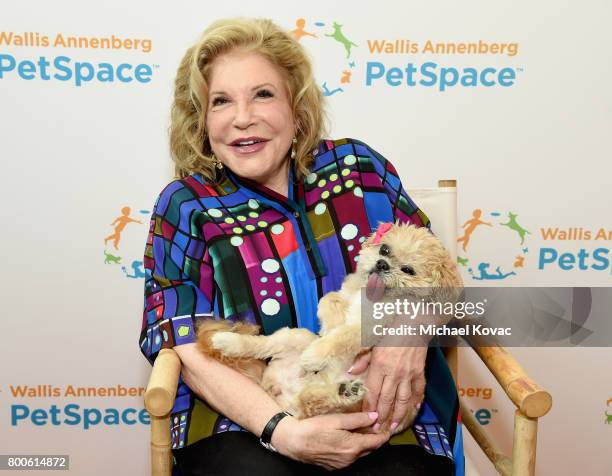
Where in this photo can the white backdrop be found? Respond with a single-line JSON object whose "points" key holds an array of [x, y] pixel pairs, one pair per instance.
{"points": [[74, 156]]}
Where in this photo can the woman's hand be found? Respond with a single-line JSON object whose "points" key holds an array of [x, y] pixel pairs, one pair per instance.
{"points": [[328, 440], [396, 379]]}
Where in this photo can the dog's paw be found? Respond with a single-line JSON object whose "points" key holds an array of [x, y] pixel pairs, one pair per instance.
{"points": [[352, 390], [227, 343]]}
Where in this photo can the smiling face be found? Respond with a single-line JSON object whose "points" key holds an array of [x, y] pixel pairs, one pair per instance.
{"points": [[249, 120]]}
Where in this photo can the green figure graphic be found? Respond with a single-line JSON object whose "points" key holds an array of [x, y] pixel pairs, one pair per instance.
{"points": [[514, 226], [111, 259], [462, 261], [339, 36]]}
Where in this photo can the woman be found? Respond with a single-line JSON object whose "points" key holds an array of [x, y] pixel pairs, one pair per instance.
{"points": [[264, 219]]}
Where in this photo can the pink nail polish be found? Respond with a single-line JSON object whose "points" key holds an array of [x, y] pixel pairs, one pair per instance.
{"points": [[393, 426], [351, 369], [376, 427], [418, 406], [373, 415]]}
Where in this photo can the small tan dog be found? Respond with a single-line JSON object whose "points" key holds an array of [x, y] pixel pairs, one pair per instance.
{"points": [[307, 374]]}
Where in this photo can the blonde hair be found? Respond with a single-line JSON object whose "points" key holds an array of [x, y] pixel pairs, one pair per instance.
{"points": [[189, 146]]}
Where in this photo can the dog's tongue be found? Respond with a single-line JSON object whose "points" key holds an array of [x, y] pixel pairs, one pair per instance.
{"points": [[375, 288]]}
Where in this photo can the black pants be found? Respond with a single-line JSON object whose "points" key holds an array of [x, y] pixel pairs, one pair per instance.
{"points": [[238, 453]]}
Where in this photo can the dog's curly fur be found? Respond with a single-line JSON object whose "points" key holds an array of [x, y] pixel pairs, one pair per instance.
{"points": [[307, 374]]}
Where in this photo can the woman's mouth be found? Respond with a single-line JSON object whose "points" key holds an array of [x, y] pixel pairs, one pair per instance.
{"points": [[249, 145]]}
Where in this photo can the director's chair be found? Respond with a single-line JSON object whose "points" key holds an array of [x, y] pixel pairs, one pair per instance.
{"points": [[531, 401]]}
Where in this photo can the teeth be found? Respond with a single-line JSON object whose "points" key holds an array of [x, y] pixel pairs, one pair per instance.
{"points": [[251, 142]]}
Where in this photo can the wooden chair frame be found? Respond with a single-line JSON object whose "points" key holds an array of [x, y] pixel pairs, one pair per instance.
{"points": [[531, 401]]}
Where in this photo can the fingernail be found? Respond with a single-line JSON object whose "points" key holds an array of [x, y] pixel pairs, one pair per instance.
{"points": [[376, 427], [418, 406], [373, 415], [393, 426], [351, 369]]}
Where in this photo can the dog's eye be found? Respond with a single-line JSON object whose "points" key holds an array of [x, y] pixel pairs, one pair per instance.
{"points": [[408, 270], [384, 250]]}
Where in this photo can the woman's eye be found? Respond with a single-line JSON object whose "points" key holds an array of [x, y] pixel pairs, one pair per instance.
{"points": [[264, 93], [408, 270], [384, 250], [219, 100]]}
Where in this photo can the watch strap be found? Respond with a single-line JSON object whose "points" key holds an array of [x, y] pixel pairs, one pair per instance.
{"points": [[266, 435]]}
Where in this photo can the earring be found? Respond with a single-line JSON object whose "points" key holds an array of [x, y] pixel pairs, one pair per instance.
{"points": [[293, 153], [217, 162]]}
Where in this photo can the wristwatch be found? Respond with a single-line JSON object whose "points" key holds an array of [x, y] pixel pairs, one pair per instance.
{"points": [[266, 435]]}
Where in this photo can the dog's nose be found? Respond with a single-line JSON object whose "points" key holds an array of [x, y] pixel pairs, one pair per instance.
{"points": [[382, 265]]}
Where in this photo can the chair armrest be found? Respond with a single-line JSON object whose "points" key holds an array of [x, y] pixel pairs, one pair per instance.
{"points": [[531, 399], [163, 382], [502, 463]]}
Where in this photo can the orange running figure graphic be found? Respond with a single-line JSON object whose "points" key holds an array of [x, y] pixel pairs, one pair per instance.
{"points": [[299, 32], [519, 262], [346, 77], [470, 226], [121, 221]]}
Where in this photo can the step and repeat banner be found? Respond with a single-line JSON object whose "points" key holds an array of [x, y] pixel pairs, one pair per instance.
{"points": [[511, 100]]}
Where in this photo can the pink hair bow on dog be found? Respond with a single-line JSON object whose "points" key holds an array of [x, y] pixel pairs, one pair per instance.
{"points": [[381, 231]]}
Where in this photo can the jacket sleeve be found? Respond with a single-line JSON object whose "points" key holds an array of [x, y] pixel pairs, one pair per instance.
{"points": [[179, 280], [403, 209]]}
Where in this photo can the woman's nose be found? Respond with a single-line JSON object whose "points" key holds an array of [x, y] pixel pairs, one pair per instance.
{"points": [[244, 116]]}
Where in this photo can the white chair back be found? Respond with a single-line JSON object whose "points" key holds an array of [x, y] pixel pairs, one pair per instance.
{"points": [[440, 205]]}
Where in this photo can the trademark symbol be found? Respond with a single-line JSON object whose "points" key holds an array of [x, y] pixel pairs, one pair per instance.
{"points": [[155, 66], [519, 70]]}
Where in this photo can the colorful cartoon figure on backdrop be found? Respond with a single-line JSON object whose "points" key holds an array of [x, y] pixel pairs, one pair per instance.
{"points": [[111, 259], [120, 222], [469, 227], [328, 92], [462, 261], [608, 419], [483, 266], [299, 32], [514, 226], [136, 268], [339, 36], [342, 73]]}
